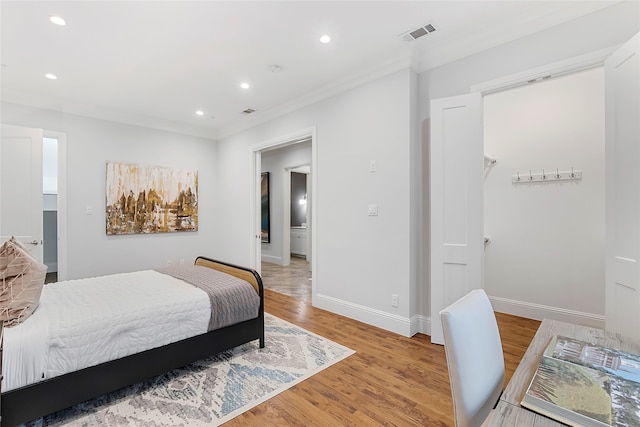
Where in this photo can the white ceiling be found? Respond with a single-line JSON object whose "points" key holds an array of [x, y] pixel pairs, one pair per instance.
{"points": [[154, 63]]}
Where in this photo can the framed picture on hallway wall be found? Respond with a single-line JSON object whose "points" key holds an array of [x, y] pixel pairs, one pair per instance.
{"points": [[264, 202]]}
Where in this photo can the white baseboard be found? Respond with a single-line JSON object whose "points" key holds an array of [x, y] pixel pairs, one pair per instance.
{"points": [[388, 321], [421, 324], [539, 312], [271, 259]]}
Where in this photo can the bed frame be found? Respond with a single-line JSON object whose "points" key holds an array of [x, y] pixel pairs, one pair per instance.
{"points": [[48, 396]]}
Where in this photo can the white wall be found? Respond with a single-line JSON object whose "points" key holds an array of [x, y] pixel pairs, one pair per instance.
{"points": [[547, 239], [615, 25], [275, 162], [90, 143], [360, 260]]}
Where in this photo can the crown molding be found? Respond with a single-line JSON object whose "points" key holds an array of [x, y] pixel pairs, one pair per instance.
{"points": [[392, 66]]}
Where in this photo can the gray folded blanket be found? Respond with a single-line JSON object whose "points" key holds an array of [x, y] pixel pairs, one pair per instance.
{"points": [[233, 300]]}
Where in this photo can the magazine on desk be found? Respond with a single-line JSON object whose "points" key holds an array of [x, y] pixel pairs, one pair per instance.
{"points": [[583, 384]]}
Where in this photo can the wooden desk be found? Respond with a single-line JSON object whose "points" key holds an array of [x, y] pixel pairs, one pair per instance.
{"points": [[509, 412]]}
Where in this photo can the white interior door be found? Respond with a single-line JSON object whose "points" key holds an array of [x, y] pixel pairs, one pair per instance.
{"points": [[256, 261], [21, 187], [622, 146], [456, 180]]}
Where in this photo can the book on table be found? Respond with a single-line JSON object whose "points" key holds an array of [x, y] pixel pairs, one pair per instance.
{"points": [[584, 384]]}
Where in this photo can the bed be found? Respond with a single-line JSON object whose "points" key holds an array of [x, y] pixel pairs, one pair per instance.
{"points": [[61, 384]]}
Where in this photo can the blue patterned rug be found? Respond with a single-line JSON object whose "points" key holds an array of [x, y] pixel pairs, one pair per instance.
{"points": [[213, 390]]}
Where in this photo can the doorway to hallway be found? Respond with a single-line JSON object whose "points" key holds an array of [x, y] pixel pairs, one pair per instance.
{"points": [[293, 280]]}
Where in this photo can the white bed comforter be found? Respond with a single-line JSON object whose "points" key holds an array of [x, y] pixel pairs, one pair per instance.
{"points": [[81, 323]]}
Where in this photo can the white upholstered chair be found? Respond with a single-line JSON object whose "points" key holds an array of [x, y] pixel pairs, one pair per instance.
{"points": [[474, 357]]}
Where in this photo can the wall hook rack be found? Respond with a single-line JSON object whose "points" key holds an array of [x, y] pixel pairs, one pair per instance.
{"points": [[543, 176]]}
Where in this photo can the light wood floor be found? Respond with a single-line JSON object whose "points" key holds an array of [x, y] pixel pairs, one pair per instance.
{"points": [[390, 381], [293, 280]]}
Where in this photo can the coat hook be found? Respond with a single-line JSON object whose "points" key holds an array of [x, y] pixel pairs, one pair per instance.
{"points": [[530, 176], [557, 173], [572, 174], [518, 175], [544, 176]]}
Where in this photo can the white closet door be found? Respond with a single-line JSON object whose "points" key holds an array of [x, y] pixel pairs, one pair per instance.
{"points": [[21, 187], [622, 146], [456, 180]]}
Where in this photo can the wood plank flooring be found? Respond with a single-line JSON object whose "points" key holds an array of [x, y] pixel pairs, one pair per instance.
{"points": [[293, 280], [390, 381]]}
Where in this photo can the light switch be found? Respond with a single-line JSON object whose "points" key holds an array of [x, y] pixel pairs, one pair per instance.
{"points": [[372, 166], [373, 210], [88, 210]]}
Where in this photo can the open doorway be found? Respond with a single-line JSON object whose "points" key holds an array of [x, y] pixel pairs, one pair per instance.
{"points": [[546, 230], [50, 207], [461, 134], [54, 189], [286, 258], [574, 302]]}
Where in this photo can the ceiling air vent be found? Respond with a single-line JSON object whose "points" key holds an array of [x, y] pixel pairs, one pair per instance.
{"points": [[249, 111], [416, 33]]}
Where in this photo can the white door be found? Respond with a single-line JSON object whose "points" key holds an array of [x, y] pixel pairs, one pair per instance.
{"points": [[622, 147], [456, 179], [256, 262], [21, 187]]}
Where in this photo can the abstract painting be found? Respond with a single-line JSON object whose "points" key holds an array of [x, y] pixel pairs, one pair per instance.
{"points": [[150, 199]]}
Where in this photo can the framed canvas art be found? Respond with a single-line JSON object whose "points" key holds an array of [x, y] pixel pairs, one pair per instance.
{"points": [[150, 199]]}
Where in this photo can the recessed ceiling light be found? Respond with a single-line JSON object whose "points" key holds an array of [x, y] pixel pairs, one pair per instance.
{"points": [[200, 113], [51, 76], [325, 39], [244, 85], [57, 20]]}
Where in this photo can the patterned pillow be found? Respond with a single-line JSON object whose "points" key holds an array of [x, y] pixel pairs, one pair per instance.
{"points": [[21, 281]]}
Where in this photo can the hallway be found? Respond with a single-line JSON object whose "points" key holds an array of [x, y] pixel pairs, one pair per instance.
{"points": [[293, 280]]}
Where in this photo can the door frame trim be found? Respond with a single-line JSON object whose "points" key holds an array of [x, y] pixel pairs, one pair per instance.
{"points": [[256, 161], [554, 69]]}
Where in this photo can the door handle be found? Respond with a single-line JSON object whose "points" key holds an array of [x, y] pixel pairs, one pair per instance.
{"points": [[33, 242]]}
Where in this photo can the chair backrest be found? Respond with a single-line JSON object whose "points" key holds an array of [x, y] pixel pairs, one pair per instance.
{"points": [[474, 357]]}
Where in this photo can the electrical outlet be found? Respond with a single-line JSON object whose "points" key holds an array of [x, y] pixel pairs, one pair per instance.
{"points": [[394, 300], [372, 210]]}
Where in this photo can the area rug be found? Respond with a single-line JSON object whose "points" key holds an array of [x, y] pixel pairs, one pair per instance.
{"points": [[214, 390]]}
